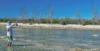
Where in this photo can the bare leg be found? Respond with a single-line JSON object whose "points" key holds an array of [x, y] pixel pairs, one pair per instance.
{"points": [[8, 44]]}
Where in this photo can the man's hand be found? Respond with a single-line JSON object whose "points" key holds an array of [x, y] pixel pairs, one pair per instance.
{"points": [[16, 23]]}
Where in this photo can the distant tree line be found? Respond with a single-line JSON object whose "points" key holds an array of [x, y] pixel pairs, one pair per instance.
{"points": [[95, 20], [63, 21]]}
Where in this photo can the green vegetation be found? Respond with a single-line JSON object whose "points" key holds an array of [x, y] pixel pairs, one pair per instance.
{"points": [[88, 22], [64, 21]]}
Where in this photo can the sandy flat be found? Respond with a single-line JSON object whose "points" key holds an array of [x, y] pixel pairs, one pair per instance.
{"points": [[58, 26]]}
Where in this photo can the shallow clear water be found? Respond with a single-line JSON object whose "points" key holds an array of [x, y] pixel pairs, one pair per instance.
{"points": [[40, 39]]}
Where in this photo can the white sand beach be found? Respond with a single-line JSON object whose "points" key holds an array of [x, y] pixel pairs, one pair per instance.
{"points": [[57, 26]]}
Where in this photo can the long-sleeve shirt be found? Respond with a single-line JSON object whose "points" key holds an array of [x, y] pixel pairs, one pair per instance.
{"points": [[9, 29]]}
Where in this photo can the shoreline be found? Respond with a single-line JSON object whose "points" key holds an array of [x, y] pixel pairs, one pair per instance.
{"points": [[57, 26]]}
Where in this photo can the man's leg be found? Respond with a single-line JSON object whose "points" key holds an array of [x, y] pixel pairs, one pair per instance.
{"points": [[8, 44], [9, 41], [11, 38]]}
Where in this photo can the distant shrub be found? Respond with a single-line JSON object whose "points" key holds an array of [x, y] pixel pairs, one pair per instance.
{"points": [[88, 22], [63, 23]]}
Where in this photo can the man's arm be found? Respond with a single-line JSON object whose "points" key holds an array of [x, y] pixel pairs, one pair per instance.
{"points": [[14, 25]]}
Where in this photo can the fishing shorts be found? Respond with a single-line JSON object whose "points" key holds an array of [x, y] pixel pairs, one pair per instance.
{"points": [[10, 38]]}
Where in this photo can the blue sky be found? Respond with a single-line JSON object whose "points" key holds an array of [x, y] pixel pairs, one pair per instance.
{"points": [[61, 8]]}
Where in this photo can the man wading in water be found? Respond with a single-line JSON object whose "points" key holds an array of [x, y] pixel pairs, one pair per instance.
{"points": [[9, 32]]}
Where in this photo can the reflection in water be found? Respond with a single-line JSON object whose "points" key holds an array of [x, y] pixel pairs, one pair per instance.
{"points": [[9, 49]]}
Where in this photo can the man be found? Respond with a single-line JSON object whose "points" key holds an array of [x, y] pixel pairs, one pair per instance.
{"points": [[9, 32]]}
